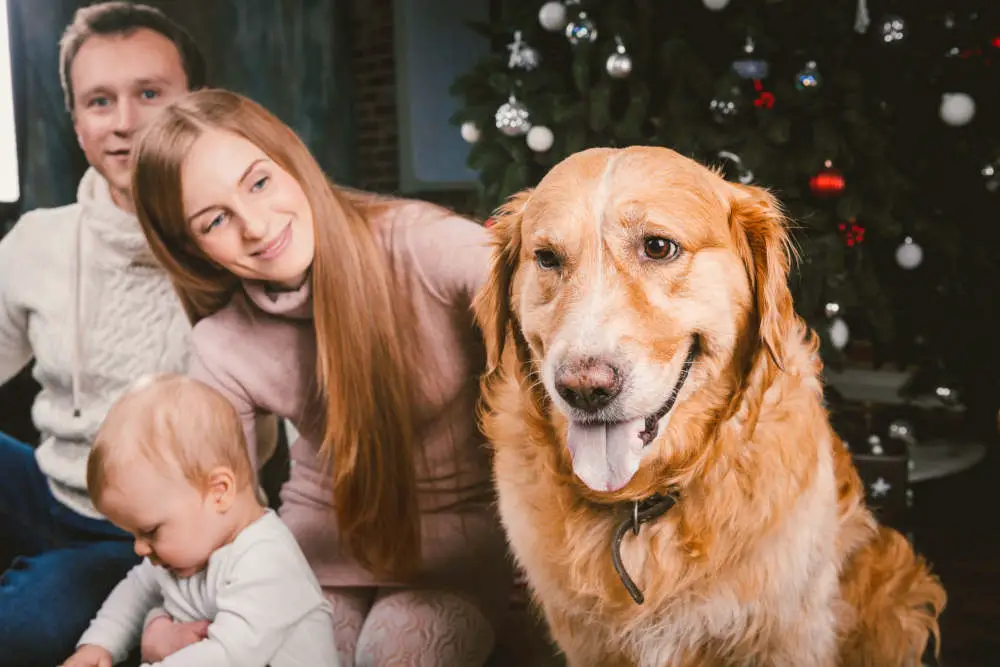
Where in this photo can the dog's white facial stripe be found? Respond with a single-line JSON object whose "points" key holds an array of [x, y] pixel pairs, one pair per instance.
{"points": [[598, 208]]}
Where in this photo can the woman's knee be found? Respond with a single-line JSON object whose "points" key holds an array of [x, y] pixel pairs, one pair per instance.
{"points": [[350, 606], [424, 628]]}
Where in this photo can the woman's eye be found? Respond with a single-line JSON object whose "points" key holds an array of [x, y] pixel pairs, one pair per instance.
{"points": [[657, 247], [259, 184], [215, 222], [547, 259]]}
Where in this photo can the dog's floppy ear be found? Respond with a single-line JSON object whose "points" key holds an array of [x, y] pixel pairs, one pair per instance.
{"points": [[760, 234], [492, 305]]}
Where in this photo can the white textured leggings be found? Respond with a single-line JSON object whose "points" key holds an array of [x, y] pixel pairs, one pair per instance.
{"points": [[401, 627]]}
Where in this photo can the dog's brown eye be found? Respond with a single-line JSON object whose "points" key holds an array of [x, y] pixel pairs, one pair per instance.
{"points": [[547, 259], [657, 247]]}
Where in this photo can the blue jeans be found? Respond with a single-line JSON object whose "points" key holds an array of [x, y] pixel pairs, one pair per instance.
{"points": [[57, 566]]}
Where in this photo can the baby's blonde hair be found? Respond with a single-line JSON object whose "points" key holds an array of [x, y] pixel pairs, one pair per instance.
{"points": [[178, 424]]}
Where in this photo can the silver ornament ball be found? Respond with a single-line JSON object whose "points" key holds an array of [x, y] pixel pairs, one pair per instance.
{"points": [[831, 309], [809, 78], [619, 65], [581, 31], [512, 118], [991, 176], [892, 30]]}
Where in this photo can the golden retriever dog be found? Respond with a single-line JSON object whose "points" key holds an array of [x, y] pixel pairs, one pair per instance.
{"points": [[666, 471]]}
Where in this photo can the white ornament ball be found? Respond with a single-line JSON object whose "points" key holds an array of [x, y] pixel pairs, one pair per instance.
{"points": [[957, 108], [619, 65], [552, 16], [839, 333], [470, 132], [716, 5], [909, 254], [540, 138]]}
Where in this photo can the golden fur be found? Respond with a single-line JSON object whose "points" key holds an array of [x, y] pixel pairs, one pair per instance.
{"points": [[770, 556]]}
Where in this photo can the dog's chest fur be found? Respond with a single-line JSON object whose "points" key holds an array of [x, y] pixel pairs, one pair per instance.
{"points": [[776, 601]]}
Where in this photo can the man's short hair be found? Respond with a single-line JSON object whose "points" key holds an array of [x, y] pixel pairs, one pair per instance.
{"points": [[124, 18]]}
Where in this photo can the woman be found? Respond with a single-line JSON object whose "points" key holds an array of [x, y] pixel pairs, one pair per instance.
{"points": [[349, 315]]}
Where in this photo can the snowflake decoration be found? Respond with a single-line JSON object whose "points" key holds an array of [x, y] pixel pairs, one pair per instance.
{"points": [[521, 55]]}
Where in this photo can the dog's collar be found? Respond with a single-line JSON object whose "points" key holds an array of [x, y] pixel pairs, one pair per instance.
{"points": [[641, 511]]}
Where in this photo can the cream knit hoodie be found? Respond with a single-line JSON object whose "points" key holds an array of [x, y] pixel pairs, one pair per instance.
{"points": [[81, 293]]}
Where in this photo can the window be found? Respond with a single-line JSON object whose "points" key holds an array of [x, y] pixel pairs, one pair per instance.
{"points": [[10, 188]]}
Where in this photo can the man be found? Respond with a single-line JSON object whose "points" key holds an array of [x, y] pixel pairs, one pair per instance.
{"points": [[81, 295]]}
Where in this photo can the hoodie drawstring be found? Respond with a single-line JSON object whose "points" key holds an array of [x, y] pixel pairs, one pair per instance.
{"points": [[77, 310]]}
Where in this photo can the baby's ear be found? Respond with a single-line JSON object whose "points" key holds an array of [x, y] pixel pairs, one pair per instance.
{"points": [[220, 488]]}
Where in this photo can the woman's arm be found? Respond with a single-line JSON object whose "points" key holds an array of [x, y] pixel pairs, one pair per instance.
{"points": [[225, 384], [452, 255]]}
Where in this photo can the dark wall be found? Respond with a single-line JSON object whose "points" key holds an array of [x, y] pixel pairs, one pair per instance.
{"points": [[293, 56]]}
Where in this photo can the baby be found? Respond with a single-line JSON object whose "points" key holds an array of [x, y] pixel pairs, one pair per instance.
{"points": [[170, 466]]}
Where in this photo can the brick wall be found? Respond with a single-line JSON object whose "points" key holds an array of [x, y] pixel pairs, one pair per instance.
{"points": [[375, 95], [373, 64]]}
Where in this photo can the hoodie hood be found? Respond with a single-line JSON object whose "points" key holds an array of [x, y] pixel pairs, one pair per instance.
{"points": [[113, 227]]}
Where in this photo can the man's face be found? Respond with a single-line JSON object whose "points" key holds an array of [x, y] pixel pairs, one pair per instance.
{"points": [[119, 83]]}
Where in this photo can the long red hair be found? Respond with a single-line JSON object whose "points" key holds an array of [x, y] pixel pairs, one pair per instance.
{"points": [[363, 372]]}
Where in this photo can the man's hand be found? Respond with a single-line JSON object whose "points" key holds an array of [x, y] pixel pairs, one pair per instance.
{"points": [[89, 656], [164, 637]]}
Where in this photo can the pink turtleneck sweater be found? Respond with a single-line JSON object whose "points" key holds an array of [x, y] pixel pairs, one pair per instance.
{"points": [[260, 351]]}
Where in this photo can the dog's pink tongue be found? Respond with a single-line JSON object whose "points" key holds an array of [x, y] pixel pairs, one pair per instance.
{"points": [[605, 456]]}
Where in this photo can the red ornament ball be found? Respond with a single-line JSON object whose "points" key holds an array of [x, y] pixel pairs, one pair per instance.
{"points": [[827, 183]]}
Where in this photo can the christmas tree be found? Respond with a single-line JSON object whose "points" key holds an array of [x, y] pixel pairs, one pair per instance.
{"points": [[876, 125]]}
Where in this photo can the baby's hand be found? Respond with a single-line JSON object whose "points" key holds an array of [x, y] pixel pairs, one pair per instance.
{"points": [[163, 637], [89, 656]]}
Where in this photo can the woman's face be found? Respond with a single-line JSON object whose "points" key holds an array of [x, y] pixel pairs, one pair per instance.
{"points": [[245, 212]]}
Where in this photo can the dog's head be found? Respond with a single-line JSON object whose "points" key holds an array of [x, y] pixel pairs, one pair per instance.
{"points": [[643, 291]]}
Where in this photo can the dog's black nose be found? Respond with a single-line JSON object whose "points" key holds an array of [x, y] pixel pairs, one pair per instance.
{"points": [[588, 384]]}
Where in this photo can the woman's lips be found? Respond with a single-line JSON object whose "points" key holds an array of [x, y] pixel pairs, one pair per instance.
{"points": [[277, 245]]}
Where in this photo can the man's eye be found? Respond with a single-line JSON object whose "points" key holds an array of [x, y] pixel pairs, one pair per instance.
{"points": [[99, 102], [150, 94]]}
